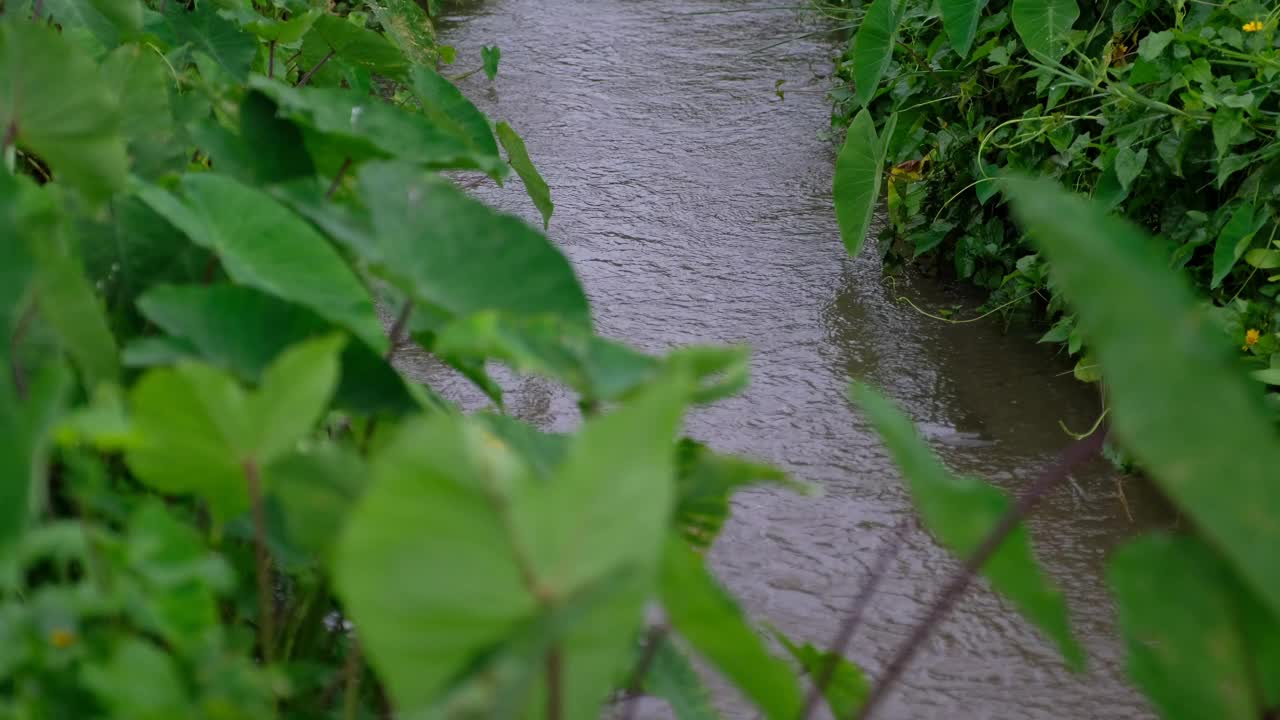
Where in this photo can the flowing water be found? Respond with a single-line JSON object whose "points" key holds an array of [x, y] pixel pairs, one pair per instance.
{"points": [[696, 205]]}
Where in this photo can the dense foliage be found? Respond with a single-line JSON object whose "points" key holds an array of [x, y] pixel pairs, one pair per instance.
{"points": [[1163, 111]]}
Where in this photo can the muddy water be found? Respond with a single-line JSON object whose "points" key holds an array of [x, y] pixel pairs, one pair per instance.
{"points": [[695, 204]]}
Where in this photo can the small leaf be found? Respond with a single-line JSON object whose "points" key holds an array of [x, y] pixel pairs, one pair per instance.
{"points": [[534, 185], [1043, 25], [491, 56], [1128, 165], [960, 19], [293, 395], [714, 625], [873, 47], [1234, 239], [961, 512], [856, 187], [279, 31], [673, 678], [848, 687]]}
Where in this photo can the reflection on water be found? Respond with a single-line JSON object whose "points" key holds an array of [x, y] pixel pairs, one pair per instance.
{"points": [[695, 204]]}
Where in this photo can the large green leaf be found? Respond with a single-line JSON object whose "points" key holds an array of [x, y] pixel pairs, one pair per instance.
{"points": [[1217, 463], [115, 682], [25, 423], [275, 148], [410, 28], [1043, 25], [856, 187], [960, 19], [706, 616], [263, 245], [76, 133], [200, 431], [359, 46], [102, 20], [367, 127], [479, 547], [456, 253], [139, 78], [534, 185], [68, 303], [961, 512], [280, 31], [1186, 649], [873, 47], [202, 30], [241, 330], [448, 108]]}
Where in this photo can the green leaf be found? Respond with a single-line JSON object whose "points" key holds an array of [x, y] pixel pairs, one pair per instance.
{"points": [[115, 682], [367, 127], [203, 30], [705, 482], [1128, 165], [1234, 239], [848, 687], [1131, 308], [873, 48], [1263, 259], [494, 549], [960, 19], [961, 512], [279, 31], [491, 56], [24, 442], [275, 148], [673, 678], [76, 133], [1270, 376], [68, 304], [316, 488], [105, 20], [241, 330], [856, 188], [1043, 25], [139, 78], [714, 625], [409, 27], [1186, 649], [477, 259], [294, 394], [263, 245], [359, 46], [448, 108], [534, 185]]}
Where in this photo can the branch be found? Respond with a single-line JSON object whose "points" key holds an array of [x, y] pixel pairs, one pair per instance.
{"points": [[337, 179], [266, 607], [555, 683], [657, 634], [352, 670], [271, 59], [307, 77], [1071, 457]]}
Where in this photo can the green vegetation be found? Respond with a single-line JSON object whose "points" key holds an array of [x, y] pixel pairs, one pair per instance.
{"points": [[1163, 112]]}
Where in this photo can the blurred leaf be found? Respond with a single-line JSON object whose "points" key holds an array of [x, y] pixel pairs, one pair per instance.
{"points": [[960, 19], [67, 302], [115, 682], [76, 133], [263, 245], [491, 56], [873, 47], [847, 689], [706, 616], [139, 78], [859, 170], [280, 31], [534, 185], [1234, 240], [961, 512], [449, 109], [672, 678], [316, 488], [1186, 650], [203, 30], [705, 482], [1044, 24], [293, 394], [409, 27], [360, 46], [279, 150], [24, 428], [1131, 309]]}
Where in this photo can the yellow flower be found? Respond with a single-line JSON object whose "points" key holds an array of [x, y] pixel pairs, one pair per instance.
{"points": [[1251, 338], [1253, 26], [62, 638]]}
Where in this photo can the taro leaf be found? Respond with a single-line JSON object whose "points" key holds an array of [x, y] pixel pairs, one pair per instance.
{"points": [[140, 80], [1043, 25], [207, 32], [241, 330], [263, 245], [856, 188], [456, 253], [873, 47], [199, 431], [494, 549], [1234, 239], [960, 19], [363, 127], [104, 20], [534, 185], [491, 56], [76, 133], [279, 31], [847, 689], [406, 23], [706, 616], [705, 481], [115, 682], [673, 678], [448, 108], [960, 512], [1186, 649], [278, 150], [359, 46], [1131, 308]]}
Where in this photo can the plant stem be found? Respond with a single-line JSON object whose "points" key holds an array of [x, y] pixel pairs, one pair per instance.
{"points": [[307, 77], [37, 9], [19, 375], [555, 683], [657, 634], [10, 134], [888, 551], [337, 179], [1074, 455], [266, 609], [353, 669], [271, 59], [397, 329]]}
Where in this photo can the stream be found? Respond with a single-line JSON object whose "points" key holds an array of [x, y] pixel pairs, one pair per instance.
{"points": [[695, 204]]}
